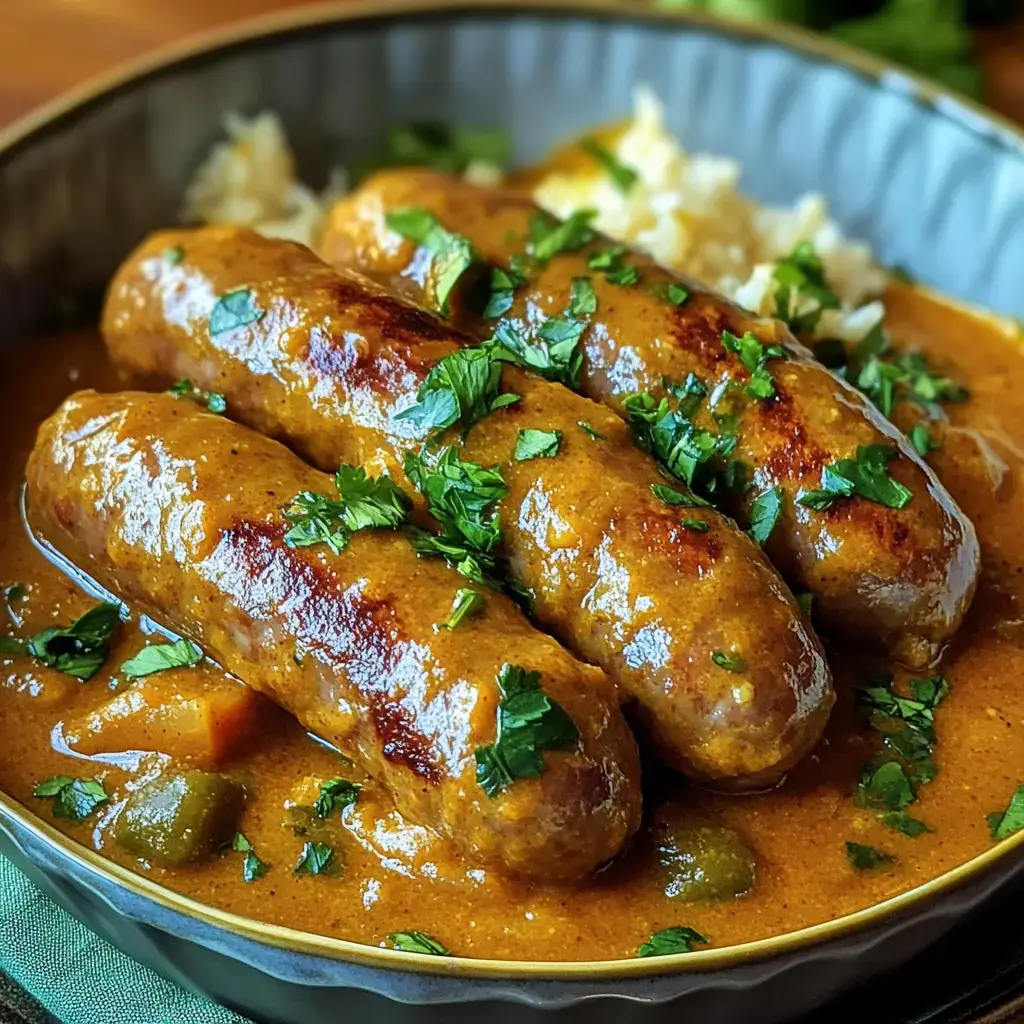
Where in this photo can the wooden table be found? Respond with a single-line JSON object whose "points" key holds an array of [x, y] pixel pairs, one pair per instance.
{"points": [[47, 46]]}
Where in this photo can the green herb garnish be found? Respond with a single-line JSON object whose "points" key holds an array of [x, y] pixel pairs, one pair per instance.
{"points": [[1003, 824], [252, 866], [730, 662], [214, 401], [529, 722], [173, 255], [900, 821], [335, 795], [922, 440], [444, 147], [755, 356], [866, 858], [160, 657], [417, 942], [549, 237], [678, 498], [462, 388], [671, 940], [452, 255], [624, 177], [74, 799], [315, 859], [611, 262], [235, 309], [503, 288], [866, 476], [594, 435], [802, 276], [537, 444], [696, 525], [582, 297], [363, 503], [765, 512], [467, 602], [79, 649]]}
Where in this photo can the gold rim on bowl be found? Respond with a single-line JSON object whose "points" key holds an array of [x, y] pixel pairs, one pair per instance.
{"points": [[265, 27]]}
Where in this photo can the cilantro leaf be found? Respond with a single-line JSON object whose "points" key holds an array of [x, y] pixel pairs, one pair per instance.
{"points": [[801, 276], [594, 435], [582, 297], [765, 511], [903, 822], [529, 723], [234, 309], [886, 787], [866, 476], [214, 401], [537, 444], [462, 388], [554, 352], [252, 866], [315, 859], [467, 602], [730, 662], [503, 287], [417, 942], [173, 255], [696, 525], [624, 177], [671, 940], [452, 255], [363, 503], [1003, 824], [921, 438], [79, 649], [444, 147], [335, 795], [611, 261], [755, 356], [866, 858], [74, 799], [160, 657], [678, 498], [549, 237]]}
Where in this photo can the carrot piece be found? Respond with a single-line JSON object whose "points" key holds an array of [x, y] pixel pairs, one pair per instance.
{"points": [[195, 716]]}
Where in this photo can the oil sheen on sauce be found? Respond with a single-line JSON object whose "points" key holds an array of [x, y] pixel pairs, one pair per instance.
{"points": [[393, 876]]}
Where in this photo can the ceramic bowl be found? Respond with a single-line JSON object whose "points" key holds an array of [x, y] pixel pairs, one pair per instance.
{"points": [[934, 183]]}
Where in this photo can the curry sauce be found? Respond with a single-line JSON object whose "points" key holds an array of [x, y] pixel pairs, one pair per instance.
{"points": [[390, 876]]}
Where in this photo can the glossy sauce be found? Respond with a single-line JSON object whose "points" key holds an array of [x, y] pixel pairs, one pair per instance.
{"points": [[394, 876]]}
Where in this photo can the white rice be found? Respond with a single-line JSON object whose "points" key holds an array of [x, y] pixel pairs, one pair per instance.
{"points": [[685, 209]]}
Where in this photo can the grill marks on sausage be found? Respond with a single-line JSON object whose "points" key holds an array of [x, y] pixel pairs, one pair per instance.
{"points": [[407, 342], [353, 632]]}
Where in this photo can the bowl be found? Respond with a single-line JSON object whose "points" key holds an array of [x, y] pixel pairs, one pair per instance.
{"points": [[931, 181]]}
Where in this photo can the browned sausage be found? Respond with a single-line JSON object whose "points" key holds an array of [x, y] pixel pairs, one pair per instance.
{"points": [[901, 578], [179, 512], [330, 364]]}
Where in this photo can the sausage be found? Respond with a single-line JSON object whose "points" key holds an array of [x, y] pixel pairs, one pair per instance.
{"points": [[900, 579], [179, 512], [611, 570]]}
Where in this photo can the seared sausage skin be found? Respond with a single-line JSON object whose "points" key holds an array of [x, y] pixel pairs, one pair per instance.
{"points": [[899, 579], [612, 570], [179, 512]]}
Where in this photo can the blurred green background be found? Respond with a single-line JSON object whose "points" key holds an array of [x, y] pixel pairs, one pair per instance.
{"points": [[931, 36]]}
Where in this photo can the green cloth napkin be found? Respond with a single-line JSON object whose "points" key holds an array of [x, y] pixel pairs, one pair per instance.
{"points": [[77, 977]]}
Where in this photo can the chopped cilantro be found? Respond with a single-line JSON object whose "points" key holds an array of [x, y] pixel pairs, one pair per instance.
{"points": [[754, 356], [452, 255], [801, 292], [537, 444], [582, 298], [730, 662], [867, 476], [315, 859], [900, 821], [503, 287], [173, 255], [444, 147], [678, 498], [335, 795], [417, 942], [1003, 824], [549, 237], [611, 262], [594, 435], [806, 603], [529, 722], [671, 940], [765, 511], [866, 858], [886, 787], [624, 177], [696, 525], [214, 401], [160, 657], [462, 388], [363, 503], [467, 602], [74, 799], [79, 649], [252, 866], [235, 309]]}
